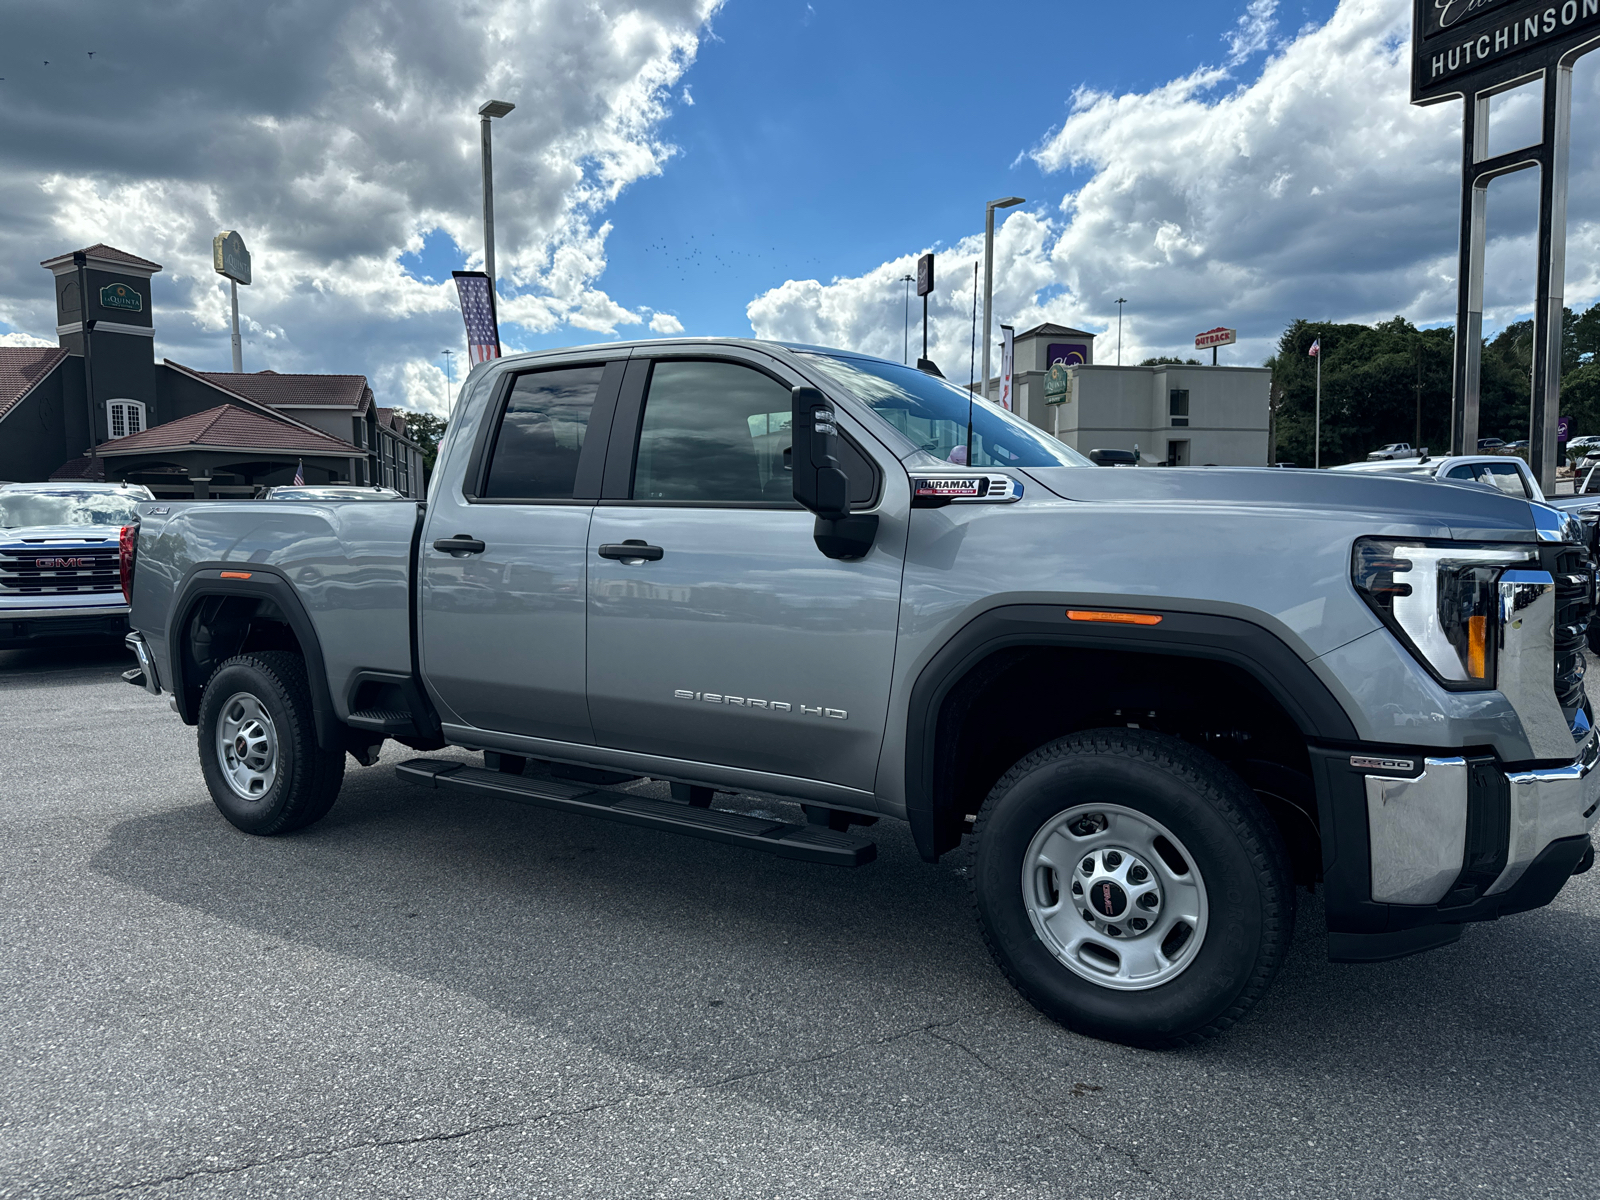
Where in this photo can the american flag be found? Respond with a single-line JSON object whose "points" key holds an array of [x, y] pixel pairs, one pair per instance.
{"points": [[1316, 349], [300, 473], [477, 309]]}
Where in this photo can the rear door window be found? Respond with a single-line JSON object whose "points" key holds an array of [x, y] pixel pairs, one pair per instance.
{"points": [[541, 434]]}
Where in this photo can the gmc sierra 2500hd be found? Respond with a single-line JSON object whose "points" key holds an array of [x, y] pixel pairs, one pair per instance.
{"points": [[1153, 701]]}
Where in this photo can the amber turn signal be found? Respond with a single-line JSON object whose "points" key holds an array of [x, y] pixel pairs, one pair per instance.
{"points": [[1114, 618]]}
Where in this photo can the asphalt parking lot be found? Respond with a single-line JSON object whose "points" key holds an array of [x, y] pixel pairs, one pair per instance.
{"points": [[430, 997]]}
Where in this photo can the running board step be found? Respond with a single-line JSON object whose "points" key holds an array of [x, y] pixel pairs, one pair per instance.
{"points": [[808, 843]]}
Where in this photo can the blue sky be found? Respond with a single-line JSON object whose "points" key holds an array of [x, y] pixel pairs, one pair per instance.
{"points": [[824, 137], [738, 167]]}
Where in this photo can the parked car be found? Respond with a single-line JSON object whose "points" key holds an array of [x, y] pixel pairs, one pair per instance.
{"points": [[1504, 473], [327, 492], [61, 561], [1149, 701], [1490, 443], [1396, 450], [1519, 444]]}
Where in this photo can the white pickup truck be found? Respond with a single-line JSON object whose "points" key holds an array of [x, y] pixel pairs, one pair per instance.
{"points": [[1396, 450]]}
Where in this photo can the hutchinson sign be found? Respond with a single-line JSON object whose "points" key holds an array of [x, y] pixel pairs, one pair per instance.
{"points": [[1461, 46]]}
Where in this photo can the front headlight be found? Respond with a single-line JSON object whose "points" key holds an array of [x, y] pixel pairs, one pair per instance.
{"points": [[1440, 599]]}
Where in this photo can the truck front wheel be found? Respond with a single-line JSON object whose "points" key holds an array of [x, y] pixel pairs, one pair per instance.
{"points": [[258, 745], [1132, 887]]}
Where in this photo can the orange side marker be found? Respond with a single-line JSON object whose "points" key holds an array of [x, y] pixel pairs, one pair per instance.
{"points": [[1114, 618], [236, 574]]}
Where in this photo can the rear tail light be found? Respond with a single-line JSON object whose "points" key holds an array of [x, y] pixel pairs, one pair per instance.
{"points": [[127, 547]]}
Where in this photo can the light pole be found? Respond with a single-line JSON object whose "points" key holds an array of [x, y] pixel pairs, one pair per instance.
{"points": [[906, 339], [449, 377], [1120, 303], [489, 109], [988, 276]]}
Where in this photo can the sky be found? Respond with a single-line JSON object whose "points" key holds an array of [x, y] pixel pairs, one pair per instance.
{"points": [[744, 168]]}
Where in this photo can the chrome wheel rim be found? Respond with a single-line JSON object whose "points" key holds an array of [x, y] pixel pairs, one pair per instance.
{"points": [[247, 746], [1115, 896]]}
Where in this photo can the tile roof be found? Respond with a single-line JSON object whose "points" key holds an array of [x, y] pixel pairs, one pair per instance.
{"points": [[76, 470], [268, 387], [1056, 331], [228, 427], [108, 254], [21, 367]]}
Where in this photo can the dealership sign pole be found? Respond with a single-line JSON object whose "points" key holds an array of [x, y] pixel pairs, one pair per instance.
{"points": [[1474, 50], [924, 287], [231, 260]]}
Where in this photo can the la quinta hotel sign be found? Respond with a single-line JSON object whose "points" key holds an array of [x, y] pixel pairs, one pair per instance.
{"points": [[1474, 45]]}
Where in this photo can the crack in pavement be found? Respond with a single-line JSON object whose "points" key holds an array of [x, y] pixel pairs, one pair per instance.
{"points": [[386, 1143], [1045, 1108]]}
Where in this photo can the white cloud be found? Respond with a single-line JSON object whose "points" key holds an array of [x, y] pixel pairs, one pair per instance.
{"points": [[1254, 31], [23, 339], [666, 324], [346, 134], [1314, 191]]}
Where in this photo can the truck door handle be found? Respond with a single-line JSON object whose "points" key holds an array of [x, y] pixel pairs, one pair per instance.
{"points": [[462, 543], [632, 550]]}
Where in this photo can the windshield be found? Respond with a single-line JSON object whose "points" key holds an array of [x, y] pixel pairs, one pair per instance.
{"points": [[933, 414], [21, 510]]}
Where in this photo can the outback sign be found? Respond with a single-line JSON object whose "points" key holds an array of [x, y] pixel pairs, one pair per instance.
{"points": [[1461, 46], [1215, 337]]}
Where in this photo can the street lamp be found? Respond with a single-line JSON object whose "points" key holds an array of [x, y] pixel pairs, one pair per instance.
{"points": [[906, 351], [1120, 303], [489, 109], [988, 276]]}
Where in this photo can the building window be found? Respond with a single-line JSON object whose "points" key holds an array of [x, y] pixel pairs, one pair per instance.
{"points": [[1178, 406], [124, 417], [361, 433]]}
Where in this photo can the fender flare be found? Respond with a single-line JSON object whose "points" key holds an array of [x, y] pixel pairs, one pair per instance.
{"points": [[204, 581], [1243, 644]]}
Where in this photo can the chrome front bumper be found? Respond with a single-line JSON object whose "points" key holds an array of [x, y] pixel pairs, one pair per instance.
{"points": [[1417, 826]]}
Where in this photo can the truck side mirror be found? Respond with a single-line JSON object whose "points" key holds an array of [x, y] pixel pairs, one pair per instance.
{"points": [[820, 483]]}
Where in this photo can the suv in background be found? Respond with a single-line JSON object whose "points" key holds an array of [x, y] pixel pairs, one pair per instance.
{"points": [[61, 560]]}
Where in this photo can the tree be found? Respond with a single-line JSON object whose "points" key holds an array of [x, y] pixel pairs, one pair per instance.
{"points": [[1171, 362], [426, 430], [1373, 378]]}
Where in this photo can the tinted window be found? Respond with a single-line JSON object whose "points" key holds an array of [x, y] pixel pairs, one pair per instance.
{"points": [[536, 448], [713, 431]]}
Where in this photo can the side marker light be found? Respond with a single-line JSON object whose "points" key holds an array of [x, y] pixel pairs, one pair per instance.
{"points": [[1113, 618]]}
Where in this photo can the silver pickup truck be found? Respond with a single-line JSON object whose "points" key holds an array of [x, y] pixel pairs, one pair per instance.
{"points": [[1150, 702]]}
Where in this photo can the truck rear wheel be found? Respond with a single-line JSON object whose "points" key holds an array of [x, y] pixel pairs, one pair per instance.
{"points": [[258, 745], [1132, 887]]}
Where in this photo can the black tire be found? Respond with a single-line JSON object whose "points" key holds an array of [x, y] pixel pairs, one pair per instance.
{"points": [[305, 780], [1216, 818]]}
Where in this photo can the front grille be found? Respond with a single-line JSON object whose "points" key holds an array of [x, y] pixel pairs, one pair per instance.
{"points": [[59, 569], [1574, 576]]}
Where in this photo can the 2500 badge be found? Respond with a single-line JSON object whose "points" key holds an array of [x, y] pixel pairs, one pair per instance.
{"points": [[805, 710]]}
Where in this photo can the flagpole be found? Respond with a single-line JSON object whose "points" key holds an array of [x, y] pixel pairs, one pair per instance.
{"points": [[1319, 410]]}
